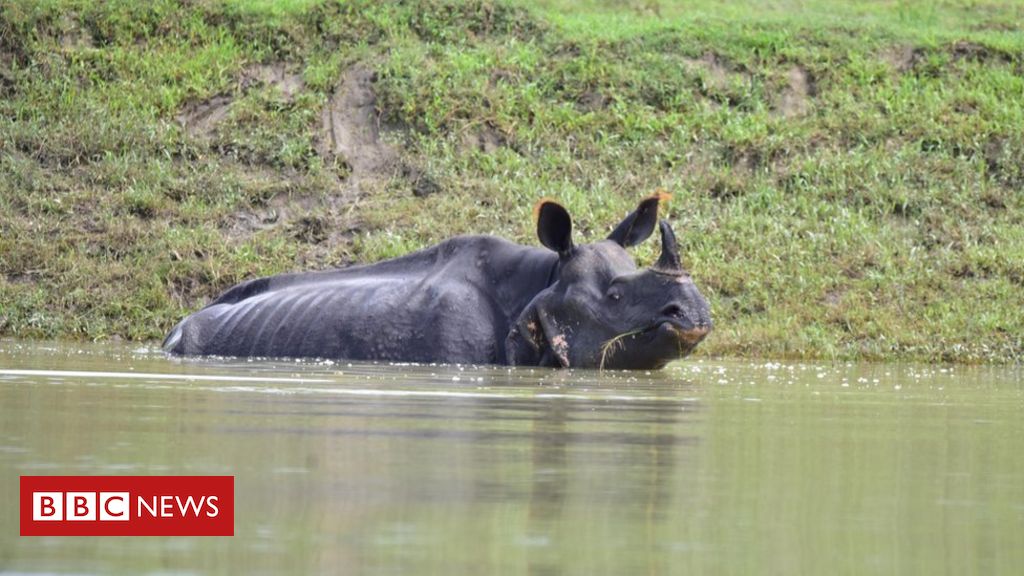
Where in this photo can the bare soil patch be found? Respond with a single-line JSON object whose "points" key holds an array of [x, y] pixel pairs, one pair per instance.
{"points": [[486, 138], [592, 101], [907, 58], [972, 51], [716, 67], [72, 35], [902, 58], [795, 98], [200, 119], [279, 75], [349, 136], [722, 82], [350, 128]]}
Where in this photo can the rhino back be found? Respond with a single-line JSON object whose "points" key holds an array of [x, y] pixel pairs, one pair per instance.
{"points": [[444, 304]]}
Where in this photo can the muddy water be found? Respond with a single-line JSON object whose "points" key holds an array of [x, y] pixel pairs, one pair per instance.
{"points": [[707, 467]]}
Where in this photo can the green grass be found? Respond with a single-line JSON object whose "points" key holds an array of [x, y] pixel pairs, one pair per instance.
{"points": [[848, 178]]}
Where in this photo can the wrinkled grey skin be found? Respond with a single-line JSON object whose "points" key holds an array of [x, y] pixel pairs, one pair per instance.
{"points": [[472, 299]]}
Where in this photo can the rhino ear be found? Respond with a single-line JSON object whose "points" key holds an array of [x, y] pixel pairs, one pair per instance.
{"points": [[554, 226], [636, 227]]}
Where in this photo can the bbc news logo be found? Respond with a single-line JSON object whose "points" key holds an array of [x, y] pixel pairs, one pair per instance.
{"points": [[127, 505], [114, 506]]}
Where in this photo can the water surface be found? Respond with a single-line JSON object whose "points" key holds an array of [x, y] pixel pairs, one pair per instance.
{"points": [[707, 467]]}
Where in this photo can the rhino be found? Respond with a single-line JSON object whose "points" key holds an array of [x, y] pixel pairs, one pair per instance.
{"points": [[473, 300]]}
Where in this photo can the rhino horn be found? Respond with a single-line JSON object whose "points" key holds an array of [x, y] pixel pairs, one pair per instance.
{"points": [[668, 262]]}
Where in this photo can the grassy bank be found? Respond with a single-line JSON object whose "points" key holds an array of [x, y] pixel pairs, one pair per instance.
{"points": [[848, 180]]}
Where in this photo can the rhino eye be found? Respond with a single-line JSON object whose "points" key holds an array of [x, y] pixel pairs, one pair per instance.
{"points": [[615, 295]]}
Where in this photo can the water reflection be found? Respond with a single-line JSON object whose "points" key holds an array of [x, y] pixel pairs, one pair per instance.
{"points": [[702, 468], [549, 477]]}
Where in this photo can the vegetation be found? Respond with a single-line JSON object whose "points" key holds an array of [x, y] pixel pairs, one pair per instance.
{"points": [[848, 178]]}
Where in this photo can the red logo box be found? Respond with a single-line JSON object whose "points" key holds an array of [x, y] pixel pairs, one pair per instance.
{"points": [[127, 505]]}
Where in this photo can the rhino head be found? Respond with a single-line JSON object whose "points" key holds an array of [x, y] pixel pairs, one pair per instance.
{"points": [[603, 311]]}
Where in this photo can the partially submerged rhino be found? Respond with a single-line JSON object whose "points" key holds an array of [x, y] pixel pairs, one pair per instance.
{"points": [[473, 299]]}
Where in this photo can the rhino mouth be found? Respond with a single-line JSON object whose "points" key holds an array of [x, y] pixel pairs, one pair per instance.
{"points": [[665, 339], [687, 335]]}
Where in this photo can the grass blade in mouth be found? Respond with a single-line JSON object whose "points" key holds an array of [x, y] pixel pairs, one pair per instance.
{"points": [[609, 346]]}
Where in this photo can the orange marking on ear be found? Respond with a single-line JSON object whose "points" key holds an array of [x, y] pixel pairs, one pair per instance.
{"points": [[662, 195]]}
